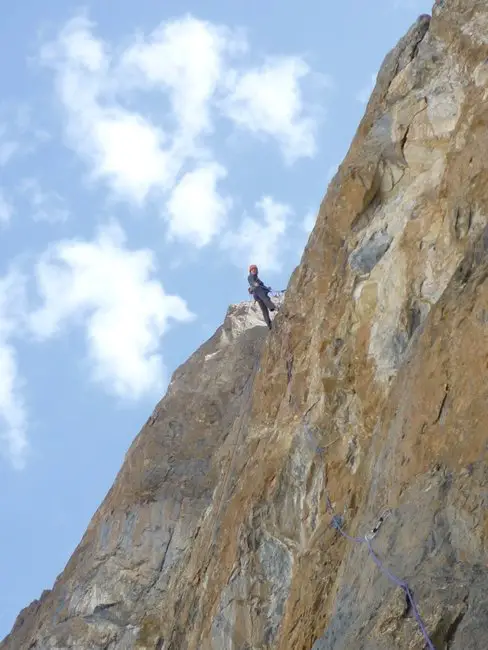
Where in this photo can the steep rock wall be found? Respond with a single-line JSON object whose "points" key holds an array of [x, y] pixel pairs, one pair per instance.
{"points": [[174, 469], [369, 398]]}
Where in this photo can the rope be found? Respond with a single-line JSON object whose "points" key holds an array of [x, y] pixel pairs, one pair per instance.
{"points": [[337, 523], [276, 293]]}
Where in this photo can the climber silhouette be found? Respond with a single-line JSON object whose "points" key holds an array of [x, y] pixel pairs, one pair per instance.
{"points": [[260, 293]]}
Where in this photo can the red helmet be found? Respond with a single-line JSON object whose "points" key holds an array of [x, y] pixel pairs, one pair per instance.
{"points": [[253, 267]]}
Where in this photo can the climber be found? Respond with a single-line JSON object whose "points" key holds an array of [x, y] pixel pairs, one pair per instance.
{"points": [[260, 293]]}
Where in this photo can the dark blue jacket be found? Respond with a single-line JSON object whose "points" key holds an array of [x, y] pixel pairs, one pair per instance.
{"points": [[256, 285]]}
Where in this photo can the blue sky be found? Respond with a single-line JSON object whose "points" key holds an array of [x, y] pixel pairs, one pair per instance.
{"points": [[148, 153]]}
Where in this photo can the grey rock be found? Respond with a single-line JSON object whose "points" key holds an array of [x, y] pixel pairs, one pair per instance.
{"points": [[364, 259]]}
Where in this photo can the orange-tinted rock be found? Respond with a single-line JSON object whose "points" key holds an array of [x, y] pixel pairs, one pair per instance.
{"points": [[371, 391]]}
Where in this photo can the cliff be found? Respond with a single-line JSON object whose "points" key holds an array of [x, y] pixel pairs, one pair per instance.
{"points": [[291, 484]]}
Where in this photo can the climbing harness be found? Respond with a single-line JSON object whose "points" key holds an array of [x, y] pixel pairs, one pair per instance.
{"points": [[275, 293], [338, 523]]}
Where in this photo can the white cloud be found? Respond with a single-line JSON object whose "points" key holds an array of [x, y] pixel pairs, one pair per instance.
{"points": [[186, 58], [13, 420], [6, 208], [46, 206], [128, 151], [138, 158], [260, 241], [8, 147], [18, 135], [331, 172], [196, 211], [182, 58], [188, 66], [308, 222], [120, 146], [12, 412], [365, 93], [269, 100], [81, 48], [125, 311]]}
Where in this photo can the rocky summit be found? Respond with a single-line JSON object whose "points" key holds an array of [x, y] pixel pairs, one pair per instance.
{"points": [[325, 485]]}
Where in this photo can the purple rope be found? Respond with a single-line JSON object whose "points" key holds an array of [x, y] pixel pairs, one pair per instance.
{"points": [[408, 593], [336, 522]]}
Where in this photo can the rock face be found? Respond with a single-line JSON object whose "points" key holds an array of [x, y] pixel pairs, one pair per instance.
{"points": [[369, 398]]}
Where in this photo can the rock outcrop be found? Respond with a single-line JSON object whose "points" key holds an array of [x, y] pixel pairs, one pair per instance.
{"points": [[369, 398]]}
